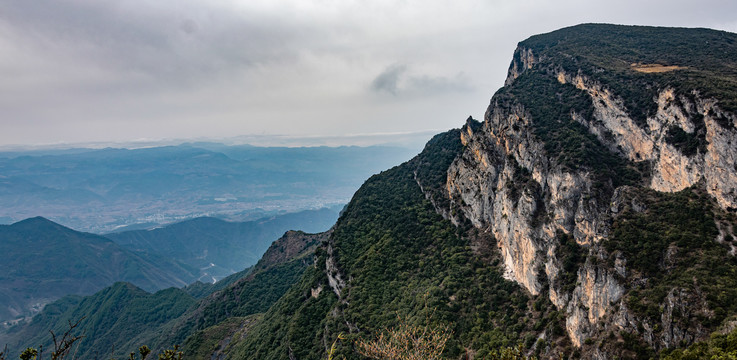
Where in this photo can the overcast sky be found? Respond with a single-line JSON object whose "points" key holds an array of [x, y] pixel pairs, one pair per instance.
{"points": [[92, 70]]}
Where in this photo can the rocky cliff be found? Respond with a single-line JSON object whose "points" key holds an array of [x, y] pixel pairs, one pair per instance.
{"points": [[562, 150], [591, 214]]}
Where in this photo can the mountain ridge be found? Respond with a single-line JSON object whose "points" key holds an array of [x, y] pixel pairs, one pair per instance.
{"points": [[47, 271], [543, 172], [121, 317], [219, 247]]}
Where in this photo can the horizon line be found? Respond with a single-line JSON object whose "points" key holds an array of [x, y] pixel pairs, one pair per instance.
{"points": [[257, 140]]}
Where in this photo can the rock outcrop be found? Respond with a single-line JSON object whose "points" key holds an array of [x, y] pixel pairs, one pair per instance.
{"points": [[507, 183]]}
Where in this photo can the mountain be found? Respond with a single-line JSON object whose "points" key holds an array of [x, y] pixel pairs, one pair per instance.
{"points": [[103, 190], [217, 247], [278, 270], [620, 139], [45, 261], [121, 317], [591, 213], [110, 319]]}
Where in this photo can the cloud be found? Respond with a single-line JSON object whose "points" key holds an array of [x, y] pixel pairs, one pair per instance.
{"points": [[388, 80], [441, 84], [174, 41], [396, 79], [89, 70]]}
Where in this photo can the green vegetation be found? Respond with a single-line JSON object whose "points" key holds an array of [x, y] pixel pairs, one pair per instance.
{"points": [[606, 53], [46, 261], [669, 239], [551, 106], [571, 256], [252, 295], [218, 339], [688, 144], [432, 168], [521, 179], [433, 290], [120, 317], [718, 347], [403, 260]]}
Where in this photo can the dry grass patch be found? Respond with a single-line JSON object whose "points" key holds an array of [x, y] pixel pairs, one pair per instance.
{"points": [[655, 68]]}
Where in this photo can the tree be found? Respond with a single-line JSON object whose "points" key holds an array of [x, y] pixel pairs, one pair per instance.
{"points": [[407, 342]]}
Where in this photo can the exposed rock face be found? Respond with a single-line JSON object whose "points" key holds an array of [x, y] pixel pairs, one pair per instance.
{"points": [[507, 184], [291, 245], [591, 300], [672, 170], [679, 303], [335, 278]]}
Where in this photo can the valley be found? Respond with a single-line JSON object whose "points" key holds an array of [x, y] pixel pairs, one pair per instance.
{"points": [[106, 190]]}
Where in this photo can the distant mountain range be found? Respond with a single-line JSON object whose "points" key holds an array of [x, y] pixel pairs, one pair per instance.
{"points": [[218, 248], [122, 316], [45, 260], [101, 190]]}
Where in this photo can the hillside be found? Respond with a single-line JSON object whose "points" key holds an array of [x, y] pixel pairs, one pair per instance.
{"points": [[219, 248], [392, 255], [46, 261], [121, 317], [115, 318], [591, 213]]}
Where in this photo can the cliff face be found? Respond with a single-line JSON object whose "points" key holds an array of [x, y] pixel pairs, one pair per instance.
{"points": [[591, 213], [510, 183]]}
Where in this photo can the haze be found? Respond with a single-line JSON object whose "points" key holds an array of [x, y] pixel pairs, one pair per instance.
{"points": [[91, 71]]}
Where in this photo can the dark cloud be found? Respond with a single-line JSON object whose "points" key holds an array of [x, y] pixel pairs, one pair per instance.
{"points": [[440, 84], [388, 80], [396, 79]]}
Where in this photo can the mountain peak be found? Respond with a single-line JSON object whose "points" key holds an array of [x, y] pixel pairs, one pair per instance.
{"points": [[293, 244], [36, 220], [38, 223]]}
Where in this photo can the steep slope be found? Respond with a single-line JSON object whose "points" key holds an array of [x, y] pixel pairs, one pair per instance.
{"points": [[229, 314], [45, 261], [217, 247], [592, 213], [392, 255], [114, 320], [590, 120]]}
